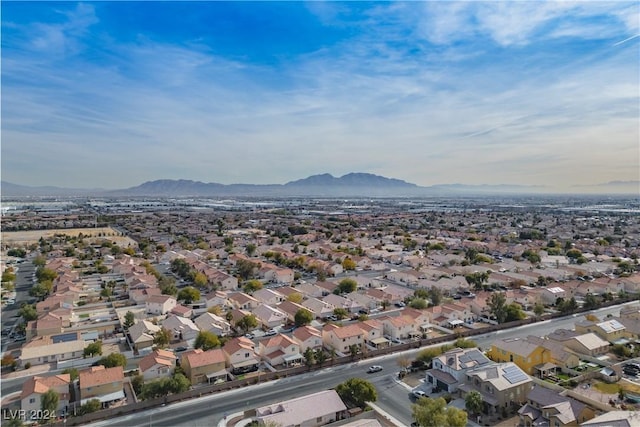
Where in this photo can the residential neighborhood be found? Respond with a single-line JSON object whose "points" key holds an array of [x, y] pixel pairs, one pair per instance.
{"points": [[118, 304]]}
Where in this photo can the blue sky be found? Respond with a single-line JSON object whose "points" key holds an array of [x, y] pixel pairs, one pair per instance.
{"points": [[112, 94]]}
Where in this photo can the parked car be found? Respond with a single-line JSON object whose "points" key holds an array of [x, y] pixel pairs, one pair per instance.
{"points": [[270, 333], [250, 336], [374, 368]]}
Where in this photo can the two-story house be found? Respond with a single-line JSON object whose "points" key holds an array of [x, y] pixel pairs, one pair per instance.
{"points": [[546, 407], [104, 384], [307, 337], [449, 369], [609, 330], [504, 387], [158, 364], [522, 352], [374, 333], [279, 350], [33, 389], [240, 355], [204, 366], [160, 304], [181, 329], [142, 334], [341, 338]]}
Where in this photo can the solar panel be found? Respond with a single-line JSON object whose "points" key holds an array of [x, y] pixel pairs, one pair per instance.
{"points": [[513, 374], [64, 338]]}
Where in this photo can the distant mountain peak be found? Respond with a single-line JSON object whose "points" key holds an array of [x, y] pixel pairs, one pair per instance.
{"points": [[353, 179]]}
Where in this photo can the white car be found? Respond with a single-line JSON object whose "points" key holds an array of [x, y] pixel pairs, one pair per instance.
{"points": [[374, 368]]}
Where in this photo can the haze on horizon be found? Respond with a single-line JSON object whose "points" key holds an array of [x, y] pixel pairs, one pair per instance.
{"points": [[113, 94]]}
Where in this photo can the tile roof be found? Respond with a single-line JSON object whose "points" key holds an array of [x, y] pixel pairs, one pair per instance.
{"points": [[198, 358], [98, 375]]}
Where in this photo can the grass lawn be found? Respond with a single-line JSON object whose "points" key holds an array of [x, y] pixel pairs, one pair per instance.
{"points": [[607, 388]]}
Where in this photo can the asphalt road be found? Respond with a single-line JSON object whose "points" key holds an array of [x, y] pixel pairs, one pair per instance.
{"points": [[9, 316], [392, 397]]}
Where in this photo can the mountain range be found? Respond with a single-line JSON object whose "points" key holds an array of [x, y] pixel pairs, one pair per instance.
{"points": [[323, 185]]}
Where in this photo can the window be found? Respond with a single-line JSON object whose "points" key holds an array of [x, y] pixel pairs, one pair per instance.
{"points": [[32, 400], [246, 355]]}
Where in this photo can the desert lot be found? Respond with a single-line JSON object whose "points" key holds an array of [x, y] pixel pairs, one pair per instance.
{"points": [[24, 238]]}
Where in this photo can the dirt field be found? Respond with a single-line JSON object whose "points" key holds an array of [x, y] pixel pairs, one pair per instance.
{"points": [[23, 238]]}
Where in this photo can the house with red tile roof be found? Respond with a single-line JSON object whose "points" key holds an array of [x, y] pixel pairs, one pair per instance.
{"points": [[204, 366], [340, 338], [242, 301], [182, 311], [34, 387], [240, 355], [104, 384], [279, 350], [307, 337], [158, 364]]}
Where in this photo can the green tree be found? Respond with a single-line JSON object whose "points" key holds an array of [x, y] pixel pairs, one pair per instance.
{"points": [[538, 309], [252, 285], [250, 248], [73, 373], [189, 295], [574, 253], [206, 340], [137, 383], [28, 312], [162, 338], [340, 313], [514, 312], [113, 360], [309, 357], [200, 280], [473, 402], [321, 356], [92, 405], [8, 275], [43, 274], [434, 413], [435, 295], [346, 286], [357, 392], [129, 320], [418, 304], [247, 323], [348, 264], [477, 279], [39, 261], [49, 403], [95, 348], [179, 384], [465, 343], [246, 269], [303, 317], [428, 354], [590, 302], [498, 306]]}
